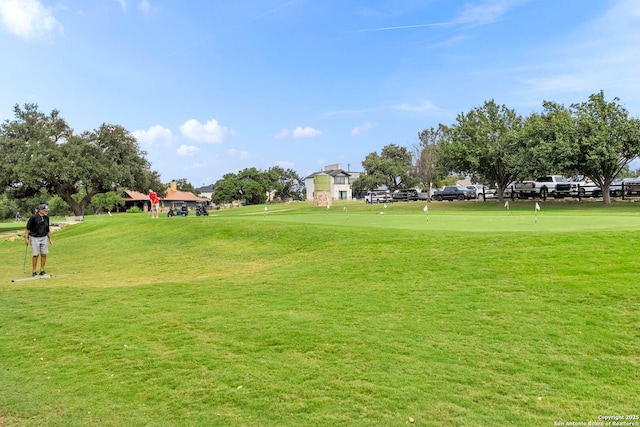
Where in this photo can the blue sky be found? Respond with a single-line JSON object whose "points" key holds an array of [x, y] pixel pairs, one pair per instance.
{"points": [[213, 87]]}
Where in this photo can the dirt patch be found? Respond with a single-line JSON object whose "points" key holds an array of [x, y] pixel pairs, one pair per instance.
{"points": [[12, 236]]}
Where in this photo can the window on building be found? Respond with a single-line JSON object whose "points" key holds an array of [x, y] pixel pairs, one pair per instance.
{"points": [[340, 180]]}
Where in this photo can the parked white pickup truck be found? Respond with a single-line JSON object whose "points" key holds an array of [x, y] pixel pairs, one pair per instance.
{"points": [[585, 188], [483, 192], [545, 186]]}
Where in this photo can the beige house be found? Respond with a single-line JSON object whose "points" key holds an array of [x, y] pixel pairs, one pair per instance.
{"points": [[134, 199], [339, 182]]}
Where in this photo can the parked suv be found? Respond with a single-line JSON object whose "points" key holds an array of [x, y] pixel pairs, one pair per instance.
{"points": [[377, 197], [405, 195], [454, 192]]}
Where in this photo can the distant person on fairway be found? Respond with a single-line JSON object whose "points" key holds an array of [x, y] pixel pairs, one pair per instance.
{"points": [[38, 234], [155, 204]]}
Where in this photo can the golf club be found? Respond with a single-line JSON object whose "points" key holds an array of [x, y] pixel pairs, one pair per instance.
{"points": [[45, 276], [24, 263]]}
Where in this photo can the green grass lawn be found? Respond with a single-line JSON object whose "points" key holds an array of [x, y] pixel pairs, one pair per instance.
{"points": [[463, 314]]}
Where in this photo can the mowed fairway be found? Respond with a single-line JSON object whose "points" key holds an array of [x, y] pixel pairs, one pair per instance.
{"points": [[463, 314]]}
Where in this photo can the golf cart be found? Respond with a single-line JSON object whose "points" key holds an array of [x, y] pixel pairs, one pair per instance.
{"points": [[183, 211], [201, 209]]}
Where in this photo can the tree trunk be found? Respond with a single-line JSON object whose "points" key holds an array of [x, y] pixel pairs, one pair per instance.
{"points": [[77, 208], [606, 197]]}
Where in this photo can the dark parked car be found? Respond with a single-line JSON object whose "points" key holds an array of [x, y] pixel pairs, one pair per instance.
{"points": [[454, 192], [615, 188], [405, 195], [631, 186]]}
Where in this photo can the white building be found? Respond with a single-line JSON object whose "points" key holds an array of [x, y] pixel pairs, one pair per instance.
{"points": [[340, 182], [206, 191]]}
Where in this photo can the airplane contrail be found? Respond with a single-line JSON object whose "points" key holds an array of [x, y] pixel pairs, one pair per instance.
{"points": [[269, 12], [404, 27]]}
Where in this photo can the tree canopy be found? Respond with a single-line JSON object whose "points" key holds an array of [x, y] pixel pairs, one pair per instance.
{"points": [[483, 143], [596, 139], [288, 184], [41, 156], [41, 151], [255, 186], [391, 169], [608, 140], [426, 154]]}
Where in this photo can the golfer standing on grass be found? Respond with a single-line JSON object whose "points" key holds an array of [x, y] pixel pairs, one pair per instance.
{"points": [[39, 234], [155, 203]]}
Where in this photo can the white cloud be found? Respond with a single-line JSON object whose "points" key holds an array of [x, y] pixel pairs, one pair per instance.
{"points": [[144, 6], [602, 54], [359, 130], [299, 132], [423, 107], [242, 155], [563, 83], [284, 164], [283, 133], [155, 134], [486, 12], [210, 132], [29, 19], [347, 112], [187, 150], [123, 4], [306, 132], [194, 166]]}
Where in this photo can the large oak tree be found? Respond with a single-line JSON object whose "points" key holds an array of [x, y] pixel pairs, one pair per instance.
{"points": [[595, 138], [483, 143], [286, 184], [41, 151], [391, 169], [256, 186]]}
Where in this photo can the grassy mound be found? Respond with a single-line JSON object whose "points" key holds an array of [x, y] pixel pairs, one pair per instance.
{"points": [[461, 314]]}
